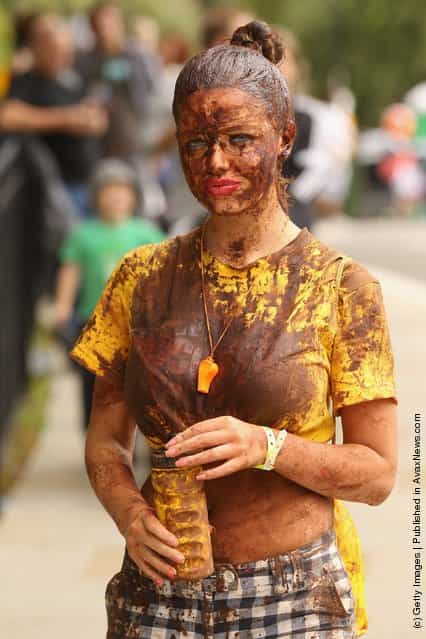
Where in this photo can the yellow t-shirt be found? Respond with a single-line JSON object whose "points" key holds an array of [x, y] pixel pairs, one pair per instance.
{"points": [[299, 348]]}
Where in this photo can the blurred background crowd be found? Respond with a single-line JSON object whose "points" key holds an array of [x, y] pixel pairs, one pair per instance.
{"points": [[89, 166]]}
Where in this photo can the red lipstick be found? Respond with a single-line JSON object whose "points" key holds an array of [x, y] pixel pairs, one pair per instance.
{"points": [[221, 186]]}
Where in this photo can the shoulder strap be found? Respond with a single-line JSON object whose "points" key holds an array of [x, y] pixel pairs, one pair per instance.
{"points": [[343, 260]]}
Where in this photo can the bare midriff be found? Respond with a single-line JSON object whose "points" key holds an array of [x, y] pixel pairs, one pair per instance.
{"points": [[256, 514]]}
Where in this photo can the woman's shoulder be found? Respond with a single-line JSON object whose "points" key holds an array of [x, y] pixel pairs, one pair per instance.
{"points": [[355, 275], [351, 273], [151, 260], [146, 257]]}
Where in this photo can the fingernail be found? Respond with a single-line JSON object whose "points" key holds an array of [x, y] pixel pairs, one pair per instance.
{"points": [[172, 572], [181, 559], [159, 582]]}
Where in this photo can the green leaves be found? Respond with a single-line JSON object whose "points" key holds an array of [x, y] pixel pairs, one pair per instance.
{"points": [[378, 46]]}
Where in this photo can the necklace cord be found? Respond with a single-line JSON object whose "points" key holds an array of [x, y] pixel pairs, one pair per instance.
{"points": [[206, 314]]}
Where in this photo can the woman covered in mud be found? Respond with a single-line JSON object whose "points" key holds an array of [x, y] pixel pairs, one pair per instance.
{"points": [[234, 347]]}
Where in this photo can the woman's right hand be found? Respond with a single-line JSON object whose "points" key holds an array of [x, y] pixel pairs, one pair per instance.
{"points": [[151, 546]]}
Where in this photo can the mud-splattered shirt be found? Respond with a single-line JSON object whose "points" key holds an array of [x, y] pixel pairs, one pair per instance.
{"points": [[294, 350], [297, 350]]}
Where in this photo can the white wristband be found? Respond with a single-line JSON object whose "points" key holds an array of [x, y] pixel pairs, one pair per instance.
{"points": [[278, 445], [274, 447], [270, 439]]}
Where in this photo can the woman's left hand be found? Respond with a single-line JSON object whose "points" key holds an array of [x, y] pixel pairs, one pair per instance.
{"points": [[237, 444]]}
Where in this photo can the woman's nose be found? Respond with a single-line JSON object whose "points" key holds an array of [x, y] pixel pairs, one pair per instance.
{"points": [[217, 158]]}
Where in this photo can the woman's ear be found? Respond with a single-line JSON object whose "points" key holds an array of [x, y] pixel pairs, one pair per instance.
{"points": [[287, 139]]}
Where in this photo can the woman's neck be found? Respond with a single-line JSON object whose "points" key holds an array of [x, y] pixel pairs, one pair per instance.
{"points": [[239, 240]]}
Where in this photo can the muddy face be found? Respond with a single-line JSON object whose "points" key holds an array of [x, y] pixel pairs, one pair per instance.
{"points": [[229, 150]]}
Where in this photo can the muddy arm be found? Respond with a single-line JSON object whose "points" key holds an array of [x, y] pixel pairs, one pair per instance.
{"points": [[361, 469], [108, 456]]}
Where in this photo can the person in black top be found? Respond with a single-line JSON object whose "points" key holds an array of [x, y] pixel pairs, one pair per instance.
{"points": [[121, 77], [49, 101]]}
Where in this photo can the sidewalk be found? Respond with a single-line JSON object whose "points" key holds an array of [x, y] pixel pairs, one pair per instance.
{"points": [[58, 548]]}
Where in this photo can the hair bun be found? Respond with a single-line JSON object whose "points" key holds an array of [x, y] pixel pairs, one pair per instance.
{"points": [[259, 36]]}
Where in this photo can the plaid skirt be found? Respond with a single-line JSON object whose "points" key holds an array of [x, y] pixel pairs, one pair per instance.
{"points": [[305, 593]]}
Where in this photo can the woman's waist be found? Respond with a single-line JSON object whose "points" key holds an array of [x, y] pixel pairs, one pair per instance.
{"points": [[255, 514], [283, 572], [248, 534], [312, 575]]}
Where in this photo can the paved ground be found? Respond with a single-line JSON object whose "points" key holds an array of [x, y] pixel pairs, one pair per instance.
{"points": [[58, 548]]}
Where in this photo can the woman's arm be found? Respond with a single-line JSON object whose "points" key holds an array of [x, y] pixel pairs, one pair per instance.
{"points": [[361, 469], [109, 450]]}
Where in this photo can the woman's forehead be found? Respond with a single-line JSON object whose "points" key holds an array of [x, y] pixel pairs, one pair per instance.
{"points": [[221, 107]]}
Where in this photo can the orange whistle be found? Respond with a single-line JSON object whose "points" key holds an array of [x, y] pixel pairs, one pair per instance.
{"points": [[207, 371]]}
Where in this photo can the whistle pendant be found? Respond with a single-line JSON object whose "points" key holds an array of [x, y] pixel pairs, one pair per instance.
{"points": [[207, 371]]}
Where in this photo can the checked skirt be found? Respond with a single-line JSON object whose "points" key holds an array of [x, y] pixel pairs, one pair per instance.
{"points": [[305, 593]]}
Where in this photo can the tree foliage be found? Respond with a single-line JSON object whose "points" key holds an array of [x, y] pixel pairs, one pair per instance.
{"points": [[182, 16], [378, 47]]}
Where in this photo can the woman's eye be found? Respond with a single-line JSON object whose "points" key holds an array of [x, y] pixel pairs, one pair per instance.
{"points": [[195, 145], [240, 138]]}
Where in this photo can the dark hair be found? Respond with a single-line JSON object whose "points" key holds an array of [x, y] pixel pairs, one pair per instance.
{"points": [[248, 63]]}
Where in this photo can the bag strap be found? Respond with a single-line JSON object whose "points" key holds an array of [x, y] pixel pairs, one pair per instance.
{"points": [[343, 260]]}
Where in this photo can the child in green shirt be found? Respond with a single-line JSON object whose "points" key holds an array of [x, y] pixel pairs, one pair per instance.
{"points": [[93, 248]]}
